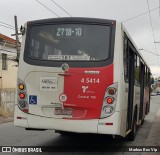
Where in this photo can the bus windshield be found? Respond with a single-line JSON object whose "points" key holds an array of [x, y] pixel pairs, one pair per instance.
{"points": [[69, 42]]}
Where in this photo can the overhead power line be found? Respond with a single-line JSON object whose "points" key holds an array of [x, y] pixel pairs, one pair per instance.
{"points": [[6, 24], [61, 8], [141, 14], [47, 8], [152, 29], [7, 27]]}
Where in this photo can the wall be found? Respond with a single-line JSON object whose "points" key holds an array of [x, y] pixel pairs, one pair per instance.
{"points": [[8, 77], [8, 80]]}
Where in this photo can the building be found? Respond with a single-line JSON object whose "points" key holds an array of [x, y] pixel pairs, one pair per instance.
{"points": [[156, 85], [8, 71]]}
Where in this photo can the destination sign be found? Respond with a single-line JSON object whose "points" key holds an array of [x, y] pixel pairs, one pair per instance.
{"points": [[69, 32]]}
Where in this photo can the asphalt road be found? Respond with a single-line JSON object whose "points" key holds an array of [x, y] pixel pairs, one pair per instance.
{"points": [[15, 136]]}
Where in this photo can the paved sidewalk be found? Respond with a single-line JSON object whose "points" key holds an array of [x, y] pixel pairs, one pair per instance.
{"points": [[154, 135]]}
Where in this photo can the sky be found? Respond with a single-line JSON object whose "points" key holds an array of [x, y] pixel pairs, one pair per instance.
{"points": [[140, 17]]}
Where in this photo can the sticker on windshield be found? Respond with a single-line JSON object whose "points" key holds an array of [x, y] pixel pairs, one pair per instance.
{"points": [[79, 57], [55, 57], [68, 57], [48, 83]]}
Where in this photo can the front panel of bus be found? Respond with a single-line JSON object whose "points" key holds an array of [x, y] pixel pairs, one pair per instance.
{"points": [[66, 70]]}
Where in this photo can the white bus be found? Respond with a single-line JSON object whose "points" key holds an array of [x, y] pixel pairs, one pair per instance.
{"points": [[81, 75]]}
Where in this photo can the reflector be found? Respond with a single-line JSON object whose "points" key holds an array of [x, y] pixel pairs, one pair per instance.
{"points": [[109, 123], [25, 110]]}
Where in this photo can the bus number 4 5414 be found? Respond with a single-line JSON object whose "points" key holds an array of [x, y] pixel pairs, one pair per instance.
{"points": [[90, 80]]}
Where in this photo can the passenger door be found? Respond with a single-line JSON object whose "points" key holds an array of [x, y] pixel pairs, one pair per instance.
{"points": [[131, 81]]}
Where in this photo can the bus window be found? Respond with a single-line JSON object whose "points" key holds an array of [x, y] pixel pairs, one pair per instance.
{"points": [[145, 77], [137, 70], [125, 59], [69, 42]]}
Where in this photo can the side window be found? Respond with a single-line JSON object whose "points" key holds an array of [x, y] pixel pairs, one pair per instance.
{"points": [[151, 79], [147, 81], [137, 71], [4, 61], [125, 59], [135, 68], [145, 77], [140, 70]]}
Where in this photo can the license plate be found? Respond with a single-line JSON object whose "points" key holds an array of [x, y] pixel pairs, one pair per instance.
{"points": [[66, 111]]}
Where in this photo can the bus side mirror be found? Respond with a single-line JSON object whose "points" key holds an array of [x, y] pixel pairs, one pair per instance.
{"points": [[22, 29], [152, 80]]}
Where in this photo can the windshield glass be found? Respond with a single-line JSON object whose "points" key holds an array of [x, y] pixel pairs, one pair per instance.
{"points": [[69, 42]]}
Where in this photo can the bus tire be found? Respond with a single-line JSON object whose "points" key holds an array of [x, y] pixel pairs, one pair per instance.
{"points": [[132, 134], [63, 133], [147, 109], [142, 121]]}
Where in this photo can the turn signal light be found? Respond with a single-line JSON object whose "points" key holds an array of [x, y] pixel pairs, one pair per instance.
{"points": [[109, 100], [21, 86], [22, 95]]}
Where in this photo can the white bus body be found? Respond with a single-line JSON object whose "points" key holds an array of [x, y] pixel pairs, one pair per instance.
{"points": [[82, 93]]}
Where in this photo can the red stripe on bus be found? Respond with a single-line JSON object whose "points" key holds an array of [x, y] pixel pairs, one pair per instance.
{"points": [[85, 90]]}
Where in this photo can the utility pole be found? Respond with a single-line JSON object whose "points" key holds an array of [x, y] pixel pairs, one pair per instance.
{"points": [[17, 39]]}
